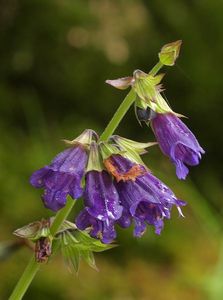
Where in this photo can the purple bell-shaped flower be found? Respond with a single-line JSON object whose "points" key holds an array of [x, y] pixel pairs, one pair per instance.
{"points": [[64, 175], [176, 141]]}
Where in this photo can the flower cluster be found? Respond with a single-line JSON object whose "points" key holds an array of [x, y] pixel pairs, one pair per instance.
{"points": [[110, 175], [118, 187]]}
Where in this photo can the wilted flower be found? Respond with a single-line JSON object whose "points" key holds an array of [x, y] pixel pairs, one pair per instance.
{"points": [[63, 176], [38, 232], [43, 249], [176, 141]]}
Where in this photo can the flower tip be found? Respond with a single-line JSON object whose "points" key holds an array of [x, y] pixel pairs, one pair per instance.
{"points": [[170, 52], [120, 83], [181, 171], [180, 212]]}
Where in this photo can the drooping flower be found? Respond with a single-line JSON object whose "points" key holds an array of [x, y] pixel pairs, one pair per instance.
{"points": [[173, 136], [145, 199], [64, 175], [97, 229], [101, 200], [177, 142]]}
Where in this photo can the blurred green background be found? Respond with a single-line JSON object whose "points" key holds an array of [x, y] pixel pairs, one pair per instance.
{"points": [[55, 56]]}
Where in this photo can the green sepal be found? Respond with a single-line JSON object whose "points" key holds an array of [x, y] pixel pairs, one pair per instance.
{"points": [[34, 231], [107, 150], [92, 244], [94, 160], [67, 225], [131, 149], [148, 90], [70, 253], [140, 103], [169, 53], [79, 245], [85, 138], [88, 256], [144, 87], [133, 156], [161, 105], [127, 144]]}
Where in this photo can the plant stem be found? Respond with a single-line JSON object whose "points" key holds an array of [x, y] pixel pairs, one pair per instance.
{"points": [[119, 114], [61, 216], [25, 280], [156, 68], [33, 266]]}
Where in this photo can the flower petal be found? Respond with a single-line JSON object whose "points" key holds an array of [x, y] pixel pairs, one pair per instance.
{"points": [[98, 229], [101, 197]]}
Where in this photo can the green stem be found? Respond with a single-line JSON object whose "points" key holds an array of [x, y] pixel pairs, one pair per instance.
{"points": [[156, 68], [33, 267], [61, 216], [119, 114], [25, 280]]}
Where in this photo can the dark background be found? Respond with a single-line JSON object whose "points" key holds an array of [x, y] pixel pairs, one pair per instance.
{"points": [[54, 59]]}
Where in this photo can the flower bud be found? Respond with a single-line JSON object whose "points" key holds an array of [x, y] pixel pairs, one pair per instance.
{"points": [[169, 53]]}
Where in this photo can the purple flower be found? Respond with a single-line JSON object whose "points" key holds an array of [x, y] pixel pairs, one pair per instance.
{"points": [[102, 230], [102, 206], [176, 141], [62, 177], [145, 199]]}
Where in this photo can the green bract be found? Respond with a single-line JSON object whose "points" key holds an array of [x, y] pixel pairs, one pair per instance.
{"points": [[77, 245]]}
